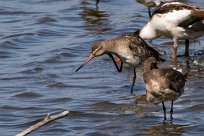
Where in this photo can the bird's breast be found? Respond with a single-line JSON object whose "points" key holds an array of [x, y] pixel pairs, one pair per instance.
{"points": [[128, 58], [167, 24]]}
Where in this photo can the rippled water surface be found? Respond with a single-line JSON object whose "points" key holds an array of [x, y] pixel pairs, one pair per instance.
{"points": [[42, 42]]}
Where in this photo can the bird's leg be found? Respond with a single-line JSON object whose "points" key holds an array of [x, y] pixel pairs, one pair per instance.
{"points": [[186, 48], [121, 65], [174, 57], [97, 1], [171, 111], [164, 109], [149, 11], [133, 81]]}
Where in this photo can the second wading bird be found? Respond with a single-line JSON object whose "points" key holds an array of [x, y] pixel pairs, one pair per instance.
{"points": [[162, 84], [129, 48], [175, 20]]}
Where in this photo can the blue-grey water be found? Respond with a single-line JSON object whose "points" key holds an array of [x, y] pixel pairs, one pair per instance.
{"points": [[42, 42]]}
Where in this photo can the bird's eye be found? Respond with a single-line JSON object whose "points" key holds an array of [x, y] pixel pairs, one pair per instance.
{"points": [[97, 49]]}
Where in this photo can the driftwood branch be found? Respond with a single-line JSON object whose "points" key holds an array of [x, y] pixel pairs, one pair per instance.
{"points": [[46, 120]]}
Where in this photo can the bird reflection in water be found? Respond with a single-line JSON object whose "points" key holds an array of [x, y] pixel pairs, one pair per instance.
{"points": [[165, 128], [96, 21]]}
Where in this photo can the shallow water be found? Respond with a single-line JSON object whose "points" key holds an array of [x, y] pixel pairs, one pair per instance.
{"points": [[42, 42]]}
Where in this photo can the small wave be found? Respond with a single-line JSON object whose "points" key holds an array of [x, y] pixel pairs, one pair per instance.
{"points": [[45, 20], [58, 85], [16, 13], [9, 44], [199, 107], [45, 33], [4, 54], [33, 71], [28, 95], [8, 107], [86, 114], [58, 100], [19, 35]]}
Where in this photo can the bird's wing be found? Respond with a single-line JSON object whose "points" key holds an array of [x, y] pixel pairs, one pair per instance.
{"points": [[141, 48], [171, 78], [188, 16], [198, 23], [199, 13], [195, 22], [170, 7], [197, 26]]}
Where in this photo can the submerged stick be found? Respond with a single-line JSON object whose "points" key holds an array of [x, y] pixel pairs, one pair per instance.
{"points": [[46, 120]]}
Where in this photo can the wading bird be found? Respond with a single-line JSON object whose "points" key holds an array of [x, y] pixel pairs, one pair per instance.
{"points": [[129, 48], [162, 84], [177, 21]]}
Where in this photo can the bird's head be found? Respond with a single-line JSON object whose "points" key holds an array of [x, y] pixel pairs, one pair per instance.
{"points": [[150, 63], [97, 50]]}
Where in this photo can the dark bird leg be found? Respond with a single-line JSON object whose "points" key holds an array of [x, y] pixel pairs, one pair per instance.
{"points": [[133, 81], [121, 65], [164, 109], [97, 1], [149, 11], [171, 111], [186, 48], [174, 57]]}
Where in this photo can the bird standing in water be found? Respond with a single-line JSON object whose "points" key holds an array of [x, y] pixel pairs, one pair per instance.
{"points": [[129, 48], [175, 20], [162, 84]]}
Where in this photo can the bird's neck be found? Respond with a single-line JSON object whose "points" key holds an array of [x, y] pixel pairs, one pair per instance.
{"points": [[114, 48], [146, 69], [148, 32], [110, 46]]}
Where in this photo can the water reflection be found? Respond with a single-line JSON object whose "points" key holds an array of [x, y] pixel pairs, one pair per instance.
{"points": [[194, 62], [96, 21], [165, 128]]}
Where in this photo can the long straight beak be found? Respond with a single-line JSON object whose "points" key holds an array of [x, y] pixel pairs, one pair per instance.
{"points": [[85, 62]]}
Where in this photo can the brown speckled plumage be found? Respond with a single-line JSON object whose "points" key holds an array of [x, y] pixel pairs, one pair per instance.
{"points": [[129, 43], [140, 47], [162, 84]]}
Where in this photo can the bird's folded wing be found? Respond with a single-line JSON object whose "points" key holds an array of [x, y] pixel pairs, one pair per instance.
{"points": [[198, 26], [199, 13]]}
